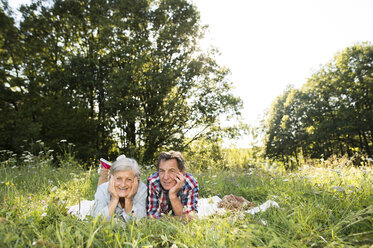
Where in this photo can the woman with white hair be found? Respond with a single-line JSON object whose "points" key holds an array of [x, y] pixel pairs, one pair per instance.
{"points": [[124, 195]]}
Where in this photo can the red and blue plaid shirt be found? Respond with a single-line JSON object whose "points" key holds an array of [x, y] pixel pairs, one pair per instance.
{"points": [[158, 203]]}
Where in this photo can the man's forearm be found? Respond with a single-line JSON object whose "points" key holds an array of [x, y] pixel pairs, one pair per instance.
{"points": [[177, 207]]}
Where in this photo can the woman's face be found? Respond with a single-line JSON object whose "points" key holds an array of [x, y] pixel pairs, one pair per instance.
{"points": [[123, 182]]}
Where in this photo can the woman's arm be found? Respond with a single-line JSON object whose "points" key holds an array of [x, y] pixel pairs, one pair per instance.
{"points": [[138, 202], [105, 204], [114, 197], [102, 199], [129, 198]]}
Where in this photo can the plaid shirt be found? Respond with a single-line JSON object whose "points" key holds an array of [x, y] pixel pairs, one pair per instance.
{"points": [[158, 203]]}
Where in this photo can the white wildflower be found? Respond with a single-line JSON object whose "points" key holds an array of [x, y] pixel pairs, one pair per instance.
{"points": [[43, 214], [63, 140]]}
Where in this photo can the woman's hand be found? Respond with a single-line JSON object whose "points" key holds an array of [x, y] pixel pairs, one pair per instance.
{"points": [[134, 189], [111, 188], [128, 199], [114, 197]]}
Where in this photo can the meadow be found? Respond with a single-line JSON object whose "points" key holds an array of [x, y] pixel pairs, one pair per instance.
{"points": [[320, 206]]}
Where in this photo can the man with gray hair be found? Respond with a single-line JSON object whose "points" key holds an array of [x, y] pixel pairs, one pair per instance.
{"points": [[171, 189]]}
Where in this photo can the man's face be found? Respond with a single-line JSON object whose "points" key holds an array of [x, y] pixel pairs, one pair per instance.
{"points": [[167, 173]]}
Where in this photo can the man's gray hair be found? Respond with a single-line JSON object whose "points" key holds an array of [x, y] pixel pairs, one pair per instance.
{"points": [[164, 156], [125, 164]]}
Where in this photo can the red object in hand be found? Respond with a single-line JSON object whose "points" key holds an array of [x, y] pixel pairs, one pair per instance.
{"points": [[105, 164]]}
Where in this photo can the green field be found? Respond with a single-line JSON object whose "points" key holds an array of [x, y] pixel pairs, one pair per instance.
{"points": [[319, 207]]}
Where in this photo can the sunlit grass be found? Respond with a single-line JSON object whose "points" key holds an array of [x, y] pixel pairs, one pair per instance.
{"points": [[319, 207]]}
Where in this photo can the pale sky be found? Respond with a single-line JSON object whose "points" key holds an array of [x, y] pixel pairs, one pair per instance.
{"points": [[268, 44]]}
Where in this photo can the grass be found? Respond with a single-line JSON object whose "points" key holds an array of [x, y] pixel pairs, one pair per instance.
{"points": [[319, 207]]}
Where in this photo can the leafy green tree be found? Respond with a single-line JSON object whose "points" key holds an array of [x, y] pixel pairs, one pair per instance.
{"points": [[15, 124], [340, 101], [276, 136], [330, 115], [162, 87], [354, 70], [130, 72]]}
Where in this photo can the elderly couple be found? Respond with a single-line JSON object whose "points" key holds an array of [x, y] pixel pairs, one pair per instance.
{"points": [[170, 190]]}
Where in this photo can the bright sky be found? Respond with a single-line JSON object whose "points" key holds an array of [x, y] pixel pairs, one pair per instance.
{"points": [[268, 44]]}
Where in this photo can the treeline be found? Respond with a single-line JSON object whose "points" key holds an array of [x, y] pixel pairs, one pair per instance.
{"points": [[332, 114], [109, 76]]}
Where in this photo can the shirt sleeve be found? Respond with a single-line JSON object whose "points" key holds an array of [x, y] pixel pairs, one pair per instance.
{"points": [[152, 201], [191, 200], [100, 206]]}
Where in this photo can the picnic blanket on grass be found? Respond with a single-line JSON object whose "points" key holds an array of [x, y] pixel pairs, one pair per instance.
{"points": [[206, 207]]}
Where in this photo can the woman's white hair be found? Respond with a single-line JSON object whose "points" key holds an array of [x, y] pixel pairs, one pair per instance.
{"points": [[125, 164]]}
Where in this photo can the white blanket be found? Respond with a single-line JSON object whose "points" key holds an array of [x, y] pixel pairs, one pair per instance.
{"points": [[206, 207]]}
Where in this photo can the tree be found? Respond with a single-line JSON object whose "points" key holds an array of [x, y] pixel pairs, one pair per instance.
{"points": [[162, 87], [276, 135], [354, 70], [15, 126], [100, 72], [331, 114]]}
